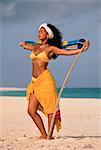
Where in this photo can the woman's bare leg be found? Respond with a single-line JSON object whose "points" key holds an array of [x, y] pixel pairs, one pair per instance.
{"points": [[49, 122], [32, 111]]}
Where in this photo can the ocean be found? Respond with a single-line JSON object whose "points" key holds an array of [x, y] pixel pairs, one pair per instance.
{"points": [[67, 93]]}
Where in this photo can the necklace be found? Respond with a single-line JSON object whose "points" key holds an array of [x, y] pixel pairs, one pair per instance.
{"points": [[42, 46], [36, 52]]}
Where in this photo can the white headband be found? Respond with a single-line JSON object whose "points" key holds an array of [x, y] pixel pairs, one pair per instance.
{"points": [[49, 31]]}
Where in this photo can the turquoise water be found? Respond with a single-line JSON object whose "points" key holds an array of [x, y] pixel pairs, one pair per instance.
{"points": [[67, 93]]}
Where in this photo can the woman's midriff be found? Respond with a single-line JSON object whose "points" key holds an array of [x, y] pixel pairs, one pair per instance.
{"points": [[38, 67]]}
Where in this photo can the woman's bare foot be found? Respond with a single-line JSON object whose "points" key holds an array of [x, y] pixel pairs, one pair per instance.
{"points": [[41, 137], [44, 137], [50, 138]]}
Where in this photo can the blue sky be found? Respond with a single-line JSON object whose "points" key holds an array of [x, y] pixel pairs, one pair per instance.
{"points": [[19, 21]]}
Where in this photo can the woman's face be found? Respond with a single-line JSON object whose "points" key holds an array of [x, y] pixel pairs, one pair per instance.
{"points": [[42, 34]]}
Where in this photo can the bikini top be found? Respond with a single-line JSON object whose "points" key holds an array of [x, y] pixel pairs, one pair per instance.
{"points": [[41, 56]]}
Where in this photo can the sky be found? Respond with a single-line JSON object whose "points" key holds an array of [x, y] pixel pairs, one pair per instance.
{"points": [[19, 21]]}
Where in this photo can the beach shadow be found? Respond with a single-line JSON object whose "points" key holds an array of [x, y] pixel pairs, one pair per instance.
{"points": [[78, 137]]}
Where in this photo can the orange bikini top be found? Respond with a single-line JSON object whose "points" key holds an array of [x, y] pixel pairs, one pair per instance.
{"points": [[41, 56]]}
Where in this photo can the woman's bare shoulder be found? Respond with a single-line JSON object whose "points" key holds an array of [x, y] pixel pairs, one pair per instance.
{"points": [[50, 48]]}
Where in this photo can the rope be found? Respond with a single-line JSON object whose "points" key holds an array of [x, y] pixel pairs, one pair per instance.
{"points": [[61, 90]]}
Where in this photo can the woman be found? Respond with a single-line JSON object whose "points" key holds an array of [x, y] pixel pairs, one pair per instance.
{"points": [[41, 92]]}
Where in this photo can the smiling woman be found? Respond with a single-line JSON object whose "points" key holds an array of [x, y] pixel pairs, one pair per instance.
{"points": [[41, 92]]}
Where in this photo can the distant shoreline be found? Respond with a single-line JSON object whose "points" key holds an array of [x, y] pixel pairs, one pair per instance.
{"points": [[12, 89], [67, 92], [22, 89]]}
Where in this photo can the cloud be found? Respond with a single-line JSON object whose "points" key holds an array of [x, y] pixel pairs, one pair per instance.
{"points": [[22, 11], [9, 9]]}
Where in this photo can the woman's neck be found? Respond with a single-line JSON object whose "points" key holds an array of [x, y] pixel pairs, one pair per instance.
{"points": [[44, 42]]}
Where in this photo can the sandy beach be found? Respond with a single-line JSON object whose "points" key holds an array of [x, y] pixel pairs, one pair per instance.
{"points": [[81, 126]]}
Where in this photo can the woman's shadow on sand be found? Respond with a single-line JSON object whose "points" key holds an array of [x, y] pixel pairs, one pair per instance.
{"points": [[78, 137]]}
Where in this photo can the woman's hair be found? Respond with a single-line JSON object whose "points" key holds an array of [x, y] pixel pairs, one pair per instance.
{"points": [[56, 40]]}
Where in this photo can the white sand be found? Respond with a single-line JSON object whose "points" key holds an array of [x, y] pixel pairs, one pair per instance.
{"points": [[81, 126]]}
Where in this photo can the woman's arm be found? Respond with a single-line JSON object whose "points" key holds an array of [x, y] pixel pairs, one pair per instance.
{"points": [[58, 51], [26, 46]]}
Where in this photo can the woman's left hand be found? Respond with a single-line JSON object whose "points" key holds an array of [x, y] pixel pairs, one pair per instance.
{"points": [[85, 45]]}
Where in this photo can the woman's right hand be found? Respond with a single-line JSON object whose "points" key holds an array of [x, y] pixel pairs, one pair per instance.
{"points": [[22, 44], [26, 46]]}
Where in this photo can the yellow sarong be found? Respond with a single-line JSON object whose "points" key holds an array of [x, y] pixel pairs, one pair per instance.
{"points": [[44, 88]]}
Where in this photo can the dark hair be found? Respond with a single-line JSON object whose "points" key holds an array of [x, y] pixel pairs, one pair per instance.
{"points": [[56, 40]]}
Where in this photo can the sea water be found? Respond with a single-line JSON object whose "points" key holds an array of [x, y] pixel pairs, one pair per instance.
{"points": [[67, 93]]}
